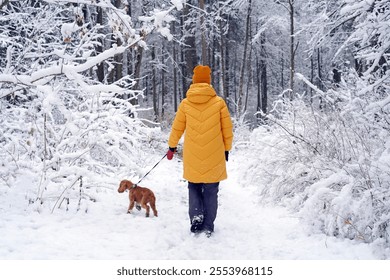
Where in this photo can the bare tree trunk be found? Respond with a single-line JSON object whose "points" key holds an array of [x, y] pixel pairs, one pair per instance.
{"points": [[320, 83], [174, 71], [263, 77], [244, 60], [190, 50], [258, 79], [175, 89], [235, 67], [182, 59], [99, 48], [138, 63], [292, 47], [319, 66], [282, 72], [154, 83], [130, 51], [116, 73], [118, 58], [264, 88], [226, 73], [118, 64], [311, 77], [205, 60], [222, 45], [163, 85], [138, 58], [249, 71]]}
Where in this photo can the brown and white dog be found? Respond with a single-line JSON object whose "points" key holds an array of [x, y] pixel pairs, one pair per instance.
{"points": [[139, 196]]}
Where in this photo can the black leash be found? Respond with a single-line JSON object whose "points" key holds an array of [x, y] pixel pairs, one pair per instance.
{"points": [[150, 171]]}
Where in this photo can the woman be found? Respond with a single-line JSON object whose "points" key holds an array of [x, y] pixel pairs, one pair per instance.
{"points": [[205, 118]]}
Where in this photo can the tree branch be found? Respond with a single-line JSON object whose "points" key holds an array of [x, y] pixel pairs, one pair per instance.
{"points": [[300, 138], [62, 69]]}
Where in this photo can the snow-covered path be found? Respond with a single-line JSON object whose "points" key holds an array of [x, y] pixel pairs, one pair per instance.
{"points": [[244, 229]]}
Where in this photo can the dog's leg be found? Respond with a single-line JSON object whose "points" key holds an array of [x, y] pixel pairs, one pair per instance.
{"points": [[131, 206], [138, 207], [147, 208]]}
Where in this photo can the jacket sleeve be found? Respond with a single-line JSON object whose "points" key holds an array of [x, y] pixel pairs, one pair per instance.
{"points": [[178, 127], [227, 127]]}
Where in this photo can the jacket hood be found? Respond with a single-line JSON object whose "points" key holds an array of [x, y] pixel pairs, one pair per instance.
{"points": [[200, 93]]}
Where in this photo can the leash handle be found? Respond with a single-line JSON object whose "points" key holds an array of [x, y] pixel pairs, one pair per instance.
{"points": [[150, 170]]}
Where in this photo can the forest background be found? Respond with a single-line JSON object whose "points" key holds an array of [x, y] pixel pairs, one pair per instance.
{"points": [[87, 84]]}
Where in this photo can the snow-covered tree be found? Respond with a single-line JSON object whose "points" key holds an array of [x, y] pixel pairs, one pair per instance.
{"points": [[57, 118], [331, 163]]}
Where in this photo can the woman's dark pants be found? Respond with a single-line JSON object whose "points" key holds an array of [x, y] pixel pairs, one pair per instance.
{"points": [[203, 203]]}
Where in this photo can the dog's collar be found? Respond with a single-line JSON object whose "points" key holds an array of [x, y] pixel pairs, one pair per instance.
{"points": [[134, 186]]}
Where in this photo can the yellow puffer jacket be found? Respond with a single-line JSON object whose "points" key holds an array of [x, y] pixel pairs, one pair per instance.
{"points": [[205, 118]]}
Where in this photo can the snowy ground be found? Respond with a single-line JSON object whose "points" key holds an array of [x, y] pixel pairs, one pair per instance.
{"points": [[244, 228]]}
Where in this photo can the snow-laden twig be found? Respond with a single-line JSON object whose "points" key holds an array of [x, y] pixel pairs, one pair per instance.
{"points": [[68, 187]]}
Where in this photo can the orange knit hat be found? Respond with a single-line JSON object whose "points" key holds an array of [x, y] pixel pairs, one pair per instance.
{"points": [[202, 74]]}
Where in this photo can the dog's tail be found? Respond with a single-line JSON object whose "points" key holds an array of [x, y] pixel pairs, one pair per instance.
{"points": [[153, 205]]}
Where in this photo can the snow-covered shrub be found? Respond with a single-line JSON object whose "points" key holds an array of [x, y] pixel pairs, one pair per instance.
{"points": [[70, 138], [331, 165]]}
